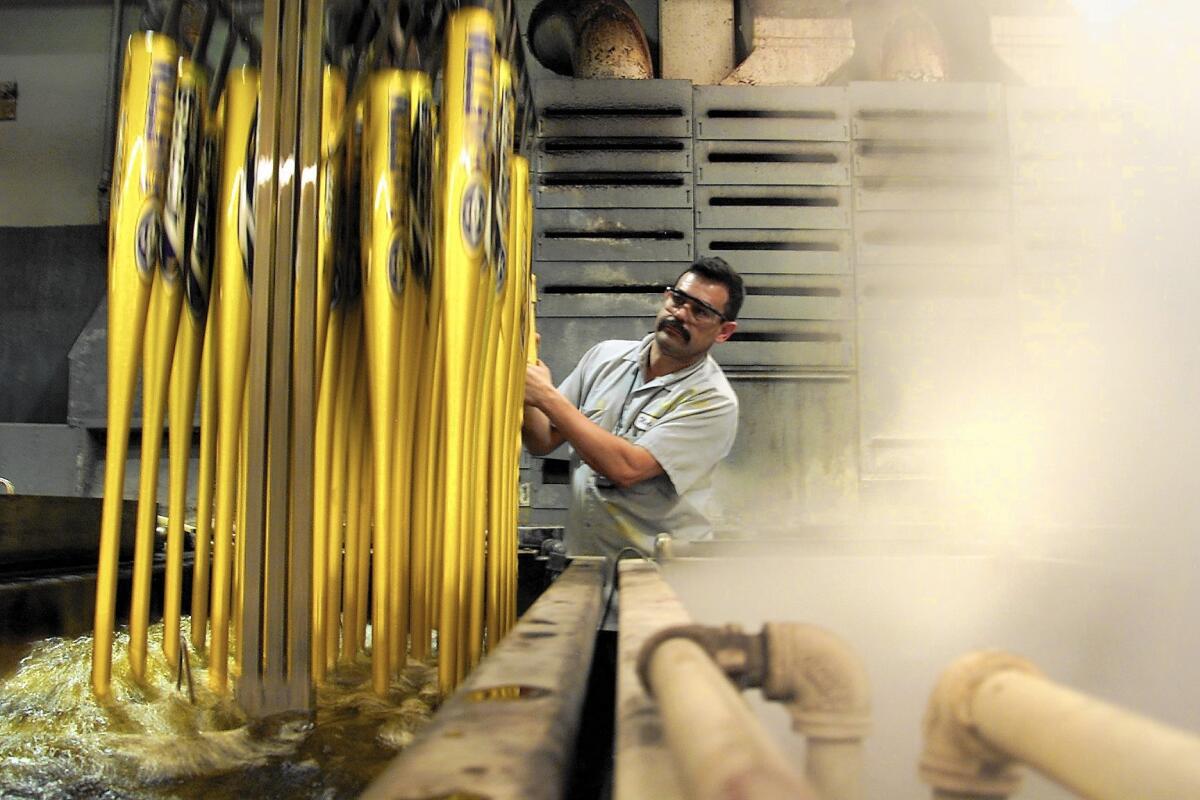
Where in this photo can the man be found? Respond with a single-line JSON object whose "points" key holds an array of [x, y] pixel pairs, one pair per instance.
{"points": [[647, 420]]}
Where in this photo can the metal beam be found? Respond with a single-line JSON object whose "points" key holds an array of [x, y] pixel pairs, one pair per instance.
{"points": [[509, 731]]}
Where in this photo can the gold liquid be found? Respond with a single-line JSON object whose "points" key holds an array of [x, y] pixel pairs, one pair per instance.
{"points": [[152, 741]]}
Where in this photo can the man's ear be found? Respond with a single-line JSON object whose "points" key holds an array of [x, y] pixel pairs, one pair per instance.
{"points": [[727, 329]]}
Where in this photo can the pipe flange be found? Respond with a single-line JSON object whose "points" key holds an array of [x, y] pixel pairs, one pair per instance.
{"points": [[738, 654], [955, 757], [819, 678]]}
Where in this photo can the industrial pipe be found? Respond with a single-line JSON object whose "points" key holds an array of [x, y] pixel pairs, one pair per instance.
{"points": [[720, 749], [991, 709], [813, 673], [824, 686], [110, 109]]}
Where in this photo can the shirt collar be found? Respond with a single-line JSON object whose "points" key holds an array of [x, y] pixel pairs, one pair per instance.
{"points": [[640, 353]]}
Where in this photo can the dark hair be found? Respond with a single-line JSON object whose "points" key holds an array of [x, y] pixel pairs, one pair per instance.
{"points": [[717, 270]]}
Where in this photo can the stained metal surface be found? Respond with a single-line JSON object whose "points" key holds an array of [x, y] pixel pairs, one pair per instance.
{"points": [[614, 108], [555, 276], [794, 342], [777, 163], [908, 158], [900, 237], [784, 207], [801, 297], [87, 387], [602, 154], [509, 731], [572, 336], [763, 474], [614, 189], [1059, 135], [58, 532], [639, 304], [644, 766], [930, 193], [613, 234], [44, 459], [963, 112], [771, 112], [779, 251]]}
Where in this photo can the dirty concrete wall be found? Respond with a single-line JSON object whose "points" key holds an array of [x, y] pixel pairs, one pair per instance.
{"points": [[51, 160], [51, 278]]}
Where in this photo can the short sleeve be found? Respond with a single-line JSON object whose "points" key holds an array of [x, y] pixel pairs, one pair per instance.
{"points": [[572, 386], [693, 437]]}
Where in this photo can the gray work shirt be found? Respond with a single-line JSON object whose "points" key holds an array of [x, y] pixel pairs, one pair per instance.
{"points": [[687, 420]]}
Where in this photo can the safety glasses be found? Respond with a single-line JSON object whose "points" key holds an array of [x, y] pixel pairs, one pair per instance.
{"points": [[701, 311]]}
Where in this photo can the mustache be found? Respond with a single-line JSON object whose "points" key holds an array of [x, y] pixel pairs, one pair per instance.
{"points": [[671, 322]]}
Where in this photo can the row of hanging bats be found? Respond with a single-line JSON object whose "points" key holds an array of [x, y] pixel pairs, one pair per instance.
{"points": [[424, 322]]}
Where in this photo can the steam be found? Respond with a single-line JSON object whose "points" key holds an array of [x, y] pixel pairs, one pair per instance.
{"points": [[1067, 519]]}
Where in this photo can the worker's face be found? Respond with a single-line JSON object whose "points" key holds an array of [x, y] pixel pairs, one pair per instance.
{"points": [[685, 328]]}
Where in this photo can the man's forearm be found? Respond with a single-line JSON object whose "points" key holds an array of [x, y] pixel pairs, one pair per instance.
{"points": [[608, 454], [537, 434]]}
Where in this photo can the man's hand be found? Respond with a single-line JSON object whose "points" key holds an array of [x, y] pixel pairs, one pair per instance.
{"points": [[539, 386]]}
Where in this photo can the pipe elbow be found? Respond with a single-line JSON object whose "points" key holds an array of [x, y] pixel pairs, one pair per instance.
{"points": [[819, 678], [955, 758]]}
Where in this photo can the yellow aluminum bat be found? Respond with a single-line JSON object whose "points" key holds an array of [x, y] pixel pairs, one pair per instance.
{"points": [[426, 531], [333, 110], [186, 228], [339, 498], [502, 483], [328, 324], [139, 177], [412, 338], [466, 114], [204, 248], [358, 524], [348, 302], [345, 286], [490, 398], [385, 157], [525, 282], [394, 301], [234, 256]]}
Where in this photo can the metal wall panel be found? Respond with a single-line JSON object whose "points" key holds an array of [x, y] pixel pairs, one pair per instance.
{"points": [[777, 163], [613, 190], [926, 111], [1058, 133], [785, 207], [591, 274], [779, 251], [570, 107], [904, 158], [566, 339], [758, 342], [899, 294], [613, 234], [600, 304], [780, 476], [43, 459], [800, 297], [591, 154], [550, 495], [895, 237], [771, 112], [791, 342], [930, 194]]}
